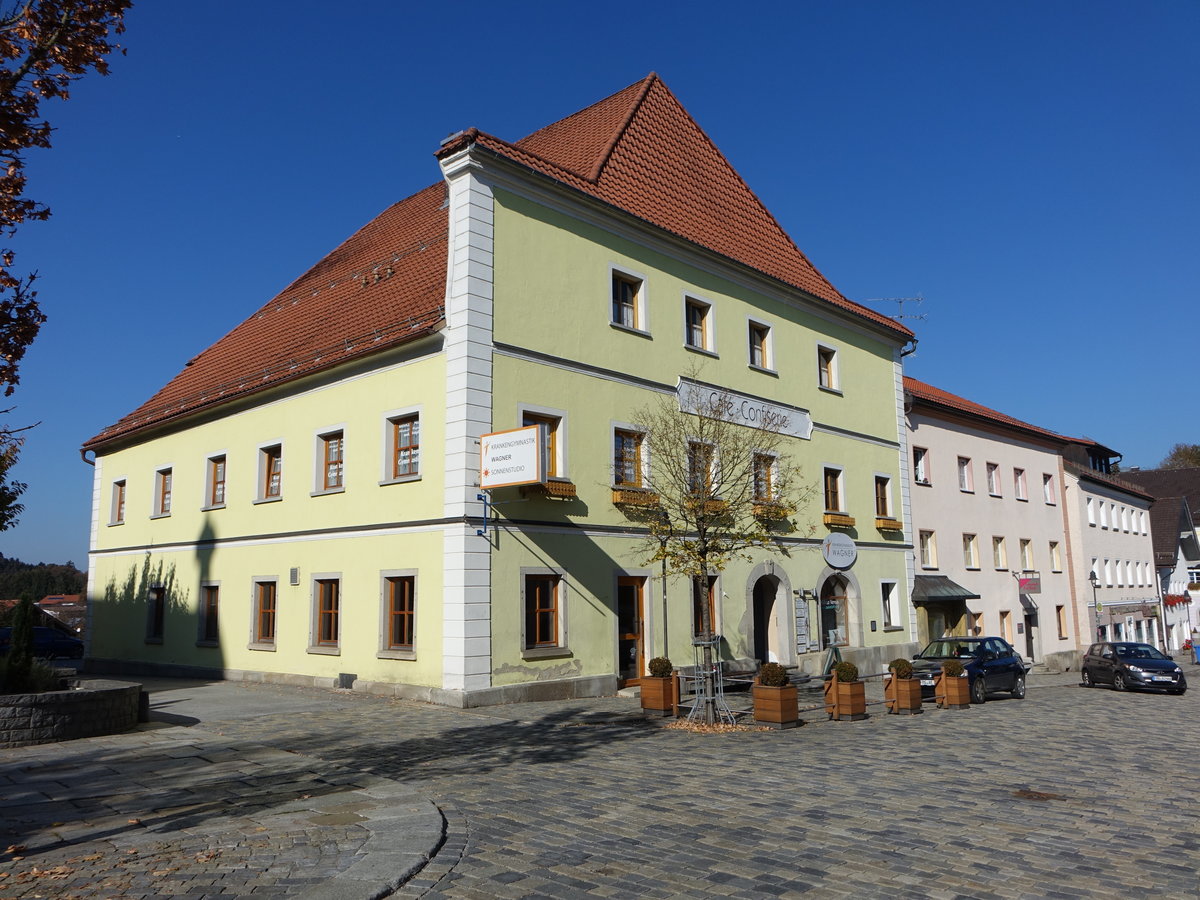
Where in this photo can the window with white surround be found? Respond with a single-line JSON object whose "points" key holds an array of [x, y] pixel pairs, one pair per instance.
{"points": [[966, 474], [1055, 557], [702, 468], [765, 472], [1108, 573], [835, 500], [928, 546], [1026, 546], [214, 482], [970, 551], [629, 457], [208, 634], [1091, 512], [543, 597], [993, 479], [1125, 519], [883, 496], [698, 332], [554, 425], [326, 631], [827, 368], [262, 629], [1019, 484], [401, 446], [1060, 617], [330, 460], [1129, 573], [116, 513], [890, 604], [1048, 488], [1103, 514], [398, 614], [628, 301], [270, 473], [999, 553], [162, 492], [921, 465], [760, 345]]}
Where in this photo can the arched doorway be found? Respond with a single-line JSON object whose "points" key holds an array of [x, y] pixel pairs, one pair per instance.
{"points": [[766, 623], [835, 627]]}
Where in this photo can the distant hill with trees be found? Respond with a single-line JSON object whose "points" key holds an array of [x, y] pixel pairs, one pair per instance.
{"points": [[19, 578]]}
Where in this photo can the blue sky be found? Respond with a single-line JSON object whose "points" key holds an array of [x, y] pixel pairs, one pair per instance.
{"points": [[1028, 168]]}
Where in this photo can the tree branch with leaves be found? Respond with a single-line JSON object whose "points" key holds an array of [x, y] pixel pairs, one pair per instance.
{"points": [[45, 46]]}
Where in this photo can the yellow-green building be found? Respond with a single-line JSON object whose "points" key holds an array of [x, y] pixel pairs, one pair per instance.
{"points": [[303, 503]]}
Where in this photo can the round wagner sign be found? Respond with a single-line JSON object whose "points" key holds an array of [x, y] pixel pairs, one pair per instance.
{"points": [[839, 551]]}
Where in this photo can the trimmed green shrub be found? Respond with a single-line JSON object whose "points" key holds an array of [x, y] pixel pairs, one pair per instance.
{"points": [[846, 671], [772, 675], [660, 667], [901, 668]]}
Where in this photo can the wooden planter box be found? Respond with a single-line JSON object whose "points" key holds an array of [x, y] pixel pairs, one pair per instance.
{"points": [[660, 696], [776, 707], [845, 701], [903, 696], [952, 692]]}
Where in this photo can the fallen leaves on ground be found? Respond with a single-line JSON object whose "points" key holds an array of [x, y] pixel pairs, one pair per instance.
{"points": [[719, 728]]}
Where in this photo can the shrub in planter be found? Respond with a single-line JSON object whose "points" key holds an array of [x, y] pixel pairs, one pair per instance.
{"points": [[901, 692], [775, 698], [952, 688], [845, 695], [772, 675], [660, 667], [659, 695]]}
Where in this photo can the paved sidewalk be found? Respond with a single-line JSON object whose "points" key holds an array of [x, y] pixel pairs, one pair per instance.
{"points": [[171, 809], [241, 790]]}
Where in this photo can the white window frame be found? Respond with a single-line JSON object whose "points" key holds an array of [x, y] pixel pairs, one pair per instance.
{"points": [[314, 605], [643, 455], [993, 479], [927, 545], [1020, 486], [970, 551], [710, 330], [386, 651], [157, 511], [1091, 512], [208, 480], [1055, 557], [1103, 515], [1025, 548], [835, 375], [262, 476], [841, 487], [255, 580], [999, 553], [117, 511], [319, 438], [561, 443], [386, 449], [889, 602], [887, 478], [1108, 573], [768, 363], [921, 466], [562, 648], [641, 306], [966, 475], [773, 456], [1048, 493]]}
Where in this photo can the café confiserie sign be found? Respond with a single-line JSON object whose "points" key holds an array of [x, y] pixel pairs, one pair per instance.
{"points": [[742, 409]]}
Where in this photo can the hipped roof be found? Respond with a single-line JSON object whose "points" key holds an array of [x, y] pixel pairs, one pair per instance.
{"points": [[638, 150]]}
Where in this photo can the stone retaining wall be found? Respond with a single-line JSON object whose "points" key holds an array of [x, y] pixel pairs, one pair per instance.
{"points": [[97, 707]]}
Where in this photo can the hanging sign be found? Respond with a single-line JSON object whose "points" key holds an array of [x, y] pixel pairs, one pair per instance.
{"points": [[742, 409], [839, 550], [512, 457]]}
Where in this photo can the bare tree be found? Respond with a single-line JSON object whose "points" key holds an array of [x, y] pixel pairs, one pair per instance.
{"points": [[717, 485], [1182, 456]]}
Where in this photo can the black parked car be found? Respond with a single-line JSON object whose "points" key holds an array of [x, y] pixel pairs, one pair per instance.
{"points": [[991, 664], [48, 643], [1125, 664]]}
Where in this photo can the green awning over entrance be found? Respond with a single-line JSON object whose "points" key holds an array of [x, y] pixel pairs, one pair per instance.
{"points": [[939, 588]]}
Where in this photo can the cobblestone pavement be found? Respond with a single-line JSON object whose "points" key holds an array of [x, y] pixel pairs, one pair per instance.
{"points": [[1069, 793]]}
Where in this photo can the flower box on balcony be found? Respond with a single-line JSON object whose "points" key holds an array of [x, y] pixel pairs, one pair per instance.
{"points": [[564, 490], [886, 523], [634, 497], [765, 509], [839, 520]]}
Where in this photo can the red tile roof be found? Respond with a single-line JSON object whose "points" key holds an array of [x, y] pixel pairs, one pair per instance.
{"points": [[382, 287], [638, 150], [936, 396]]}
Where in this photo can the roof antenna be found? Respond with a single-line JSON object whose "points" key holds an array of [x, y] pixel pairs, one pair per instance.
{"points": [[900, 301]]}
